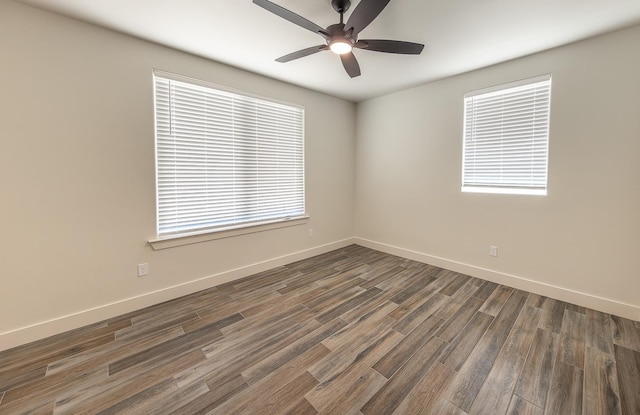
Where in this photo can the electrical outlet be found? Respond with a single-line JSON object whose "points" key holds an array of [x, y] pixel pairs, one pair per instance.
{"points": [[143, 269], [310, 233], [493, 250]]}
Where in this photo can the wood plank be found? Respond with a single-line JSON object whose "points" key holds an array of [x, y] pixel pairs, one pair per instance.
{"points": [[536, 300], [496, 392], [362, 327], [444, 407], [340, 278], [13, 379], [628, 368], [187, 307], [308, 279], [576, 308], [458, 281], [347, 305], [243, 325], [601, 390], [92, 398], [368, 258], [519, 406], [417, 316], [422, 279], [43, 351], [293, 350], [422, 296], [477, 282], [279, 400], [599, 332], [374, 303], [217, 395], [389, 278], [18, 367], [134, 403], [356, 395], [394, 360], [225, 363], [494, 303], [485, 290], [333, 297], [573, 334], [278, 391], [387, 399], [302, 407], [135, 331], [625, 333], [553, 315], [33, 408], [170, 403], [334, 387], [467, 383], [315, 264], [346, 353], [425, 396], [566, 391], [453, 326], [287, 300], [457, 301], [74, 365], [535, 380], [46, 388], [198, 338], [460, 348]]}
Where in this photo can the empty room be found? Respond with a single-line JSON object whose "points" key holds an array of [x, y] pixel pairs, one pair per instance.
{"points": [[364, 207]]}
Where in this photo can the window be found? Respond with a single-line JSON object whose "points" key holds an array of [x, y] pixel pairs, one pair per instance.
{"points": [[506, 138], [224, 160]]}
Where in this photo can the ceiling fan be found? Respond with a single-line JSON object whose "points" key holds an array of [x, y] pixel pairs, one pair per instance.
{"points": [[342, 38]]}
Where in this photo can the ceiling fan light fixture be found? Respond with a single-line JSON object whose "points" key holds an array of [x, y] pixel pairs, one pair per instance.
{"points": [[340, 46]]}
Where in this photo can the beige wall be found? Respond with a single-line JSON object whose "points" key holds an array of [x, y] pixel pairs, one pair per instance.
{"points": [[583, 238], [77, 175]]}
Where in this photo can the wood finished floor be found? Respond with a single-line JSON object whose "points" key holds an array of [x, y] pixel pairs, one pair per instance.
{"points": [[353, 331]]}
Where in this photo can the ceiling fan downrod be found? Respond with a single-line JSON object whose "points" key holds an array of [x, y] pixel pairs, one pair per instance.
{"points": [[341, 6]]}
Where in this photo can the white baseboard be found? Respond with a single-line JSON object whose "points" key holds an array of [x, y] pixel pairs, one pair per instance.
{"points": [[605, 305], [61, 324]]}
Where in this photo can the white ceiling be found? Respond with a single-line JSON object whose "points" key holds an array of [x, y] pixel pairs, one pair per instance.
{"points": [[460, 35]]}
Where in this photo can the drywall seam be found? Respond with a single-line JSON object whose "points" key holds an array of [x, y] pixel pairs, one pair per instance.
{"points": [[559, 293], [61, 324]]}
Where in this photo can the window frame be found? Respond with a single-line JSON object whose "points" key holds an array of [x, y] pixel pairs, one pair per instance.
{"points": [[182, 237], [500, 188]]}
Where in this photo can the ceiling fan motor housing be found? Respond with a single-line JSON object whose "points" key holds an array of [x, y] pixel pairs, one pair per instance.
{"points": [[340, 6], [338, 34]]}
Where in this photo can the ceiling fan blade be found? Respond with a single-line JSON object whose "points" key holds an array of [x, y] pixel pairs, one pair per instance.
{"points": [[302, 53], [364, 14], [291, 16], [350, 64], [390, 46]]}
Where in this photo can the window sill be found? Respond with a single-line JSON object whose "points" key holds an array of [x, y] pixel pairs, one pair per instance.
{"points": [[173, 241], [504, 190]]}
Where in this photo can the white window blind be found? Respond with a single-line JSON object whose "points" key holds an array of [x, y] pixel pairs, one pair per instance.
{"points": [[506, 138], [223, 159]]}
